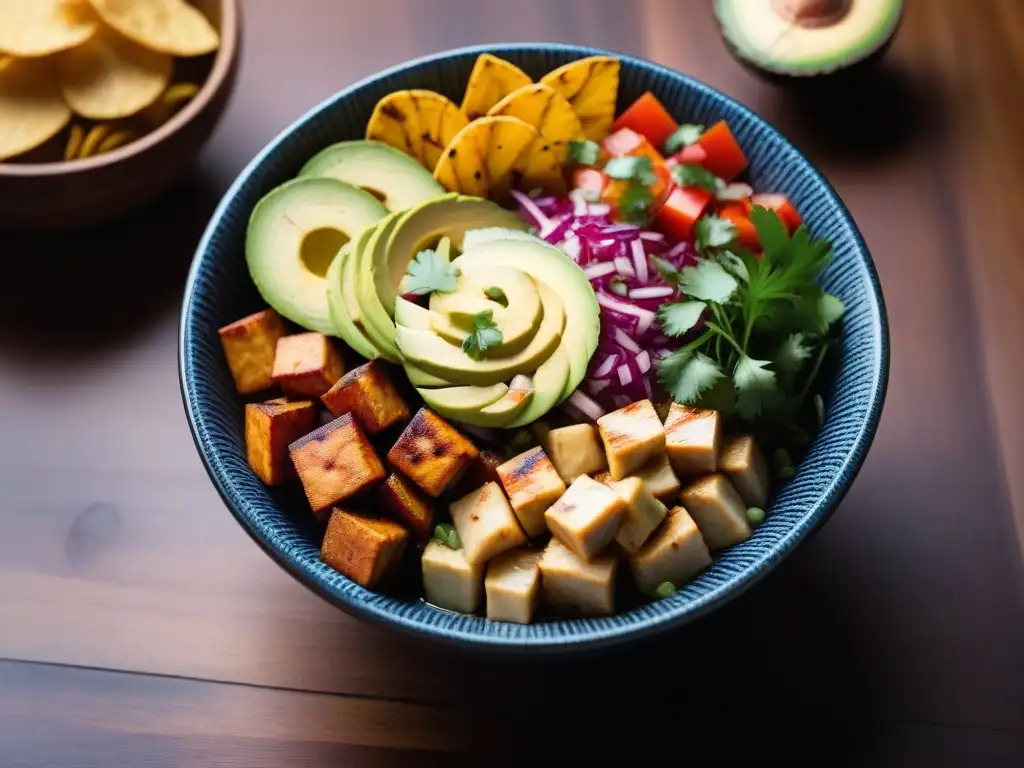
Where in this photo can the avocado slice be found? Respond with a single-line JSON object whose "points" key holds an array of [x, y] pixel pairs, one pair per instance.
{"points": [[801, 38], [515, 401], [388, 174], [343, 322], [549, 268], [377, 323], [451, 216], [427, 350], [549, 381], [294, 234], [462, 402], [414, 316]]}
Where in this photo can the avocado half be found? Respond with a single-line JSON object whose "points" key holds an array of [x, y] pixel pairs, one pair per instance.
{"points": [[797, 40]]}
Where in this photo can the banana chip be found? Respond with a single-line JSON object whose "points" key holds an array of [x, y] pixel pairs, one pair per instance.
{"points": [[482, 159], [168, 26], [75, 139], [116, 139], [491, 80], [546, 110], [591, 86], [419, 123], [41, 27], [31, 108], [93, 139], [540, 167]]}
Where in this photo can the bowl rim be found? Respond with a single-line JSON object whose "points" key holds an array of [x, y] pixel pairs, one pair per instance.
{"points": [[223, 60], [842, 478]]}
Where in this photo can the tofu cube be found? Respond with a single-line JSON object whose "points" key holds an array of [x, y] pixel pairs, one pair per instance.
{"points": [[482, 470], [513, 586], [366, 549], [269, 429], [573, 585], [575, 450], [644, 513], [250, 345], [368, 394], [676, 553], [450, 580], [486, 523], [604, 477], [307, 364], [532, 485], [659, 478], [335, 462], [404, 502], [632, 436], [693, 440], [587, 516], [718, 510], [432, 453], [743, 461]]}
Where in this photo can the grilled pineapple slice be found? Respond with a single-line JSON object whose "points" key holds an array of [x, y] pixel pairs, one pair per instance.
{"points": [[545, 109], [481, 159], [418, 122], [490, 81], [591, 86]]}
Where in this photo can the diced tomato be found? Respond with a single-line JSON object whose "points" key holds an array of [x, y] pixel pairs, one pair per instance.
{"points": [[738, 214], [782, 206], [627, 142], [589, 179], [695, 154], [649, 117], [660, 190], [681, 210], [724, 158]]}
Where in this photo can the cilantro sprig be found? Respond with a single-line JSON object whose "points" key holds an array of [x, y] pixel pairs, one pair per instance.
{"points": [[583, 152], [683, 136], [485, 335], [430, 271]]}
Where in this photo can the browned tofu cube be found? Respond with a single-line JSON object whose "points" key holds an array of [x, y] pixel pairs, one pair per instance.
{"points": [[513, 586], [249, 346], [743, 461], [366, 549], [368, 394], [432, 453], [718, 510], [269, 429], [693, 439], [659, 479], [335, 462], [675, 553], [404, 502], [307, 364], [632, 436], [575, 450], [644, 513], [449, 580], [604, 477], [587, 516], [573, 585], [532, 485], [486, 524]]}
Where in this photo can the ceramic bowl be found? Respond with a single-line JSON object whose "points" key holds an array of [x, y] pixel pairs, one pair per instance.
{"points": [[219, 291]]}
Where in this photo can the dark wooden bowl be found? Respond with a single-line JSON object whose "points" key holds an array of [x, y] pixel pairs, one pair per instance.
{"points": [[82, 193]]}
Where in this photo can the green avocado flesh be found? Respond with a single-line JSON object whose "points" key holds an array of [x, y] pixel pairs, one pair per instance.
{"points": [[462, 402], [294, 234], [344, 325], [377, 323], [388, 174], [511, 405], [761, 36], [549, 381]]}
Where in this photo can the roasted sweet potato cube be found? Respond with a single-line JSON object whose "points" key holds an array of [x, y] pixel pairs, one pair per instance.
{"points": [[335, 462], [483, 470], [404, 502], [249, 346], [307, 364], [368, 394], [432, 453], [269, 429], [366, 549]]}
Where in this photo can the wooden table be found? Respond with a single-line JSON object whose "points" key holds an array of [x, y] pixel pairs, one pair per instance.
{"points": [[139, 625]]}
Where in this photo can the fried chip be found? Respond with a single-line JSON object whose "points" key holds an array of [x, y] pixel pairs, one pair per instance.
{"points": [[75, 139], [110, 77], [591, 86], [419, 123], [167, 26], [546, 110], [31, 108], [117, 139], [40, 27], [482, 158], [93, 139], [491, 80], [540, 167]]}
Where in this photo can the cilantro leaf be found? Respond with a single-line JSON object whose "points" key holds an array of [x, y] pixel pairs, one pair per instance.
{"points": [[583, 152], [693, 175], [792, 353], [484, 336], [683, 136], [634, 203], [830, 309], [666, 269], [732, 263], [429, 272], [771, 232], [685, 375], [712, 232], [638, 168], [496, 294], [680, 317], [756, 387], [708, 281]]}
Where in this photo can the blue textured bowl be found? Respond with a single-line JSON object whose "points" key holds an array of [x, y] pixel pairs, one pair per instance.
{"points": [[219, 291]]}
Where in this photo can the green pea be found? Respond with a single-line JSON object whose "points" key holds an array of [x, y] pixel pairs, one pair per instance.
{"points": [[755, 515], [454, 542], [665, 589]]}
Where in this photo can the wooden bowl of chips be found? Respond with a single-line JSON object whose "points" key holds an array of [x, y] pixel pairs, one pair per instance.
{"points": [[104, 103]]}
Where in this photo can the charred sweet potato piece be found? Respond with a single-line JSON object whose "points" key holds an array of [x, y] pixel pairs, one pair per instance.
{"points": [[483, 470], [250, 345], [335, 462], [365, 549], [269, 429], [307, 364], [404, 502], [432, 453], [368, 394]]}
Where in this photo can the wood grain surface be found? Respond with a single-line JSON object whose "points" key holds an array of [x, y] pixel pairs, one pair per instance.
{"points": [[141, 626]]}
